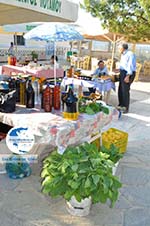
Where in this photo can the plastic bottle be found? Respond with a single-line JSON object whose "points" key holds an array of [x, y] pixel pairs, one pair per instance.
{"points": [[57, 97], [47, 99], [36, 87], [30, 95], [22, 91]]}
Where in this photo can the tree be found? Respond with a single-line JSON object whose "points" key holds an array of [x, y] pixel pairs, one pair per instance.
{"points": [[128, 17]]}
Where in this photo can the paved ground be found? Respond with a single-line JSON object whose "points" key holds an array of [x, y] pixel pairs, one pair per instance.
{"points": [[23, 204]]}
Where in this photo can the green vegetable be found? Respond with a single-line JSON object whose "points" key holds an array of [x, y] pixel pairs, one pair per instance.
{"points": [[81, 171], [91, 108]]}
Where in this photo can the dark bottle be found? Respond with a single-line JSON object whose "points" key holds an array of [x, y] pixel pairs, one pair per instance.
{"points": [[71, 101], [17, 90], [30, 95], [12, 84]]}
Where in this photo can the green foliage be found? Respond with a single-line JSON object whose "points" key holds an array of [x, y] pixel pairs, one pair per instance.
{"points": [[113, 152], [81, 171], [34, 55], [91, 108], [129, 17]]}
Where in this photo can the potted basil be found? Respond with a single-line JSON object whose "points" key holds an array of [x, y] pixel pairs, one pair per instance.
{"points": [[114, 155], [81, 172]]}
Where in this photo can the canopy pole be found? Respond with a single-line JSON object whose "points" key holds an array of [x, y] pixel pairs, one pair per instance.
{"points": [[114, 42], [113, 52], [55, 63], [15, 35]]}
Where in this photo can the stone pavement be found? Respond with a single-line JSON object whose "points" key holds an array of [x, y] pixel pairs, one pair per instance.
{"points": [[23, 204]]}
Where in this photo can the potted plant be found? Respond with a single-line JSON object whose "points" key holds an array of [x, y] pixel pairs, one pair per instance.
{"points": [[113, 152], [114, 155], [80, 172], [34, 56]]}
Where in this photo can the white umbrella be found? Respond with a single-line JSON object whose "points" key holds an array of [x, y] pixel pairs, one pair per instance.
{"points": [[54, 32]]}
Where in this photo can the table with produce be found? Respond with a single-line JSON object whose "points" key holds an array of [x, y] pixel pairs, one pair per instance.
{"points": [[55, 130], [101, 84], [37, 71], [58, 117]]}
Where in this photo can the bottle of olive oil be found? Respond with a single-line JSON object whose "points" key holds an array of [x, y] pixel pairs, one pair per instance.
{"points": [[30, 95]]}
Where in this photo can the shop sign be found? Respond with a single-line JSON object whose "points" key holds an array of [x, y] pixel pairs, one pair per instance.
{"points": [[30, 27], [53, 5]]}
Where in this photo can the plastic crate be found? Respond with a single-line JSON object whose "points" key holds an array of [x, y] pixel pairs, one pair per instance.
{"points": [[117, 137]]}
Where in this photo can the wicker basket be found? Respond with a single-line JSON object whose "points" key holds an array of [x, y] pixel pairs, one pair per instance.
{"points": [[117, 137]]}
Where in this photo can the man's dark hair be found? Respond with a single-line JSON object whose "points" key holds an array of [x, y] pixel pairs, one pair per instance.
{"points": [[125, 45], [100, 61]]}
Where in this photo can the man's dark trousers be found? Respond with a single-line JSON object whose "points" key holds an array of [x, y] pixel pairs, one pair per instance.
{"points": [[124, 89]]}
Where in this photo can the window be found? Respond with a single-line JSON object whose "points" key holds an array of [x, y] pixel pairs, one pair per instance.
{"points": [[19, 40], [100, 46]]}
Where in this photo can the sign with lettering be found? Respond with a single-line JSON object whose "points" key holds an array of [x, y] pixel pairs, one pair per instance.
{"points": [[53, 5]]}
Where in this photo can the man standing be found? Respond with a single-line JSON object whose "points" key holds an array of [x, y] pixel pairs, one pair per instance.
{"points": [[11, 51], [127, 75]]}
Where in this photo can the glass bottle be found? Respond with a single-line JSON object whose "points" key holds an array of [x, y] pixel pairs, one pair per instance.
{"points": [[22, 91], [30, 95], [57, 97], [47, 98], [70, 111]]}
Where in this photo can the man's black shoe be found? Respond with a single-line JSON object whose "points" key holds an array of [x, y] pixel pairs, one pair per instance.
{"points": [[125, 112]]}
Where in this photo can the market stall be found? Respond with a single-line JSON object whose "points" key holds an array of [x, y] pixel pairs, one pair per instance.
{"points": [[101, 85], [53, 129]]}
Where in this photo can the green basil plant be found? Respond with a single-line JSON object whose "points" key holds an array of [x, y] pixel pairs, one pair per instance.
{"points": [[81, 171]]}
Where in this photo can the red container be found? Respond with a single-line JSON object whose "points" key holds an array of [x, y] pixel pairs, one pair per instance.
{"points": [[57, 97], [47, 99], [12, 60]]}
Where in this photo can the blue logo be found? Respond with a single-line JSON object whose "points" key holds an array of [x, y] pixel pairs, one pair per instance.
{"points": [[20, 140]]}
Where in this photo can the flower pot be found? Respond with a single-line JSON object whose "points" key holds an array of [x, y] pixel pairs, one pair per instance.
{"points": [[114, 169], [80, 209]]}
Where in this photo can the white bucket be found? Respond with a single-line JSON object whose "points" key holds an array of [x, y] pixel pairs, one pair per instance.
{"points": [[114, 169], [80, 209]]}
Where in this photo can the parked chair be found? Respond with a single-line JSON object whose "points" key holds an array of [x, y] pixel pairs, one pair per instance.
{"points": [[146, 68], [86, 63], [138, 69]]}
